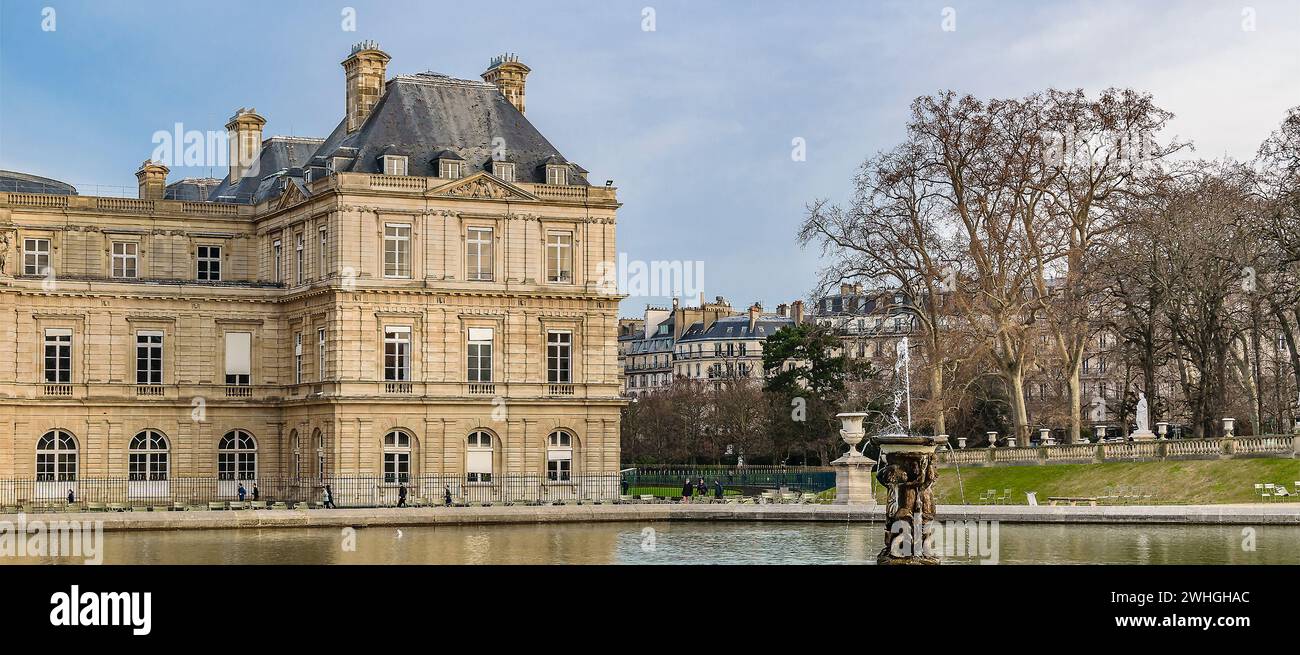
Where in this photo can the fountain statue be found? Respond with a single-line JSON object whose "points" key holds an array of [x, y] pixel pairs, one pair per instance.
{"points": [[1143, 431], [908, 470]]}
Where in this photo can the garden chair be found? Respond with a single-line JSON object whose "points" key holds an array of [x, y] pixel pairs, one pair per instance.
{"points": [[280, 505], [216, 504], [623, 498], [1271, 490], [1259, 490], [257, 504], [1005, 498], [985, 497], [1280, 491], [647, 498]]}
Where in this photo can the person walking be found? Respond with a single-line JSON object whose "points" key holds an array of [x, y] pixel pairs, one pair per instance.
{"points": [[401, 495], [701, 489], [717, 489], [256, 494], [242, 492], [446, 496], [624, 487], [329, 498], [72, 498], [686, 491]]}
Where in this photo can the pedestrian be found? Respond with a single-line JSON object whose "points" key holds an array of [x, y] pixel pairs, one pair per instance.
{"points": [[701, 489], [329, 497], [256, 494], [401, 495], [717, 489], [686, 491], [446, 496], [624, 487], [242, 492], [72, 498]]}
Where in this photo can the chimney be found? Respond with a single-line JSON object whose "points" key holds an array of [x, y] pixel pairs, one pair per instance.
{"points": [[153, 180], [508, 74], [783, 310], [364, 70], [244, 140], [846, 289], [796, 309], [754, 311]]}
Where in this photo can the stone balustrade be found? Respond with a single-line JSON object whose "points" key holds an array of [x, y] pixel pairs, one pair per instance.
{"points": [[1275, 445]]}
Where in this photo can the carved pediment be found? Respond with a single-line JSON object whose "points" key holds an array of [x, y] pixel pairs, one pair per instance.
{"points": [[483, 186], [290, 197]]}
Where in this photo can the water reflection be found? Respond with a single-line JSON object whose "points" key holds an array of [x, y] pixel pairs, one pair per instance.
{"points": [[685, 543]]}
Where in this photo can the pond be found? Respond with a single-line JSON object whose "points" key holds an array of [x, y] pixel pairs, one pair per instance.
{"points": [[688, 543]]}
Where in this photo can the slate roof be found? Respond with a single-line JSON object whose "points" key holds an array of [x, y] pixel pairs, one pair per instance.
{"points": [[736, 327], [15, 182], [192, 189], [430, 114], [279, 153]]}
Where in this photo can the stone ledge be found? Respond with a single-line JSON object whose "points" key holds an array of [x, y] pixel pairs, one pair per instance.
{"points": [[259, 519]]}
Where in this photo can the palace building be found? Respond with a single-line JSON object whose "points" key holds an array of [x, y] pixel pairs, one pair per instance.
{"points": [[416, 294]]}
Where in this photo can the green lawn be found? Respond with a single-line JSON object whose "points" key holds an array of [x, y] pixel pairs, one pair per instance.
{"points": [[671, 492], [1186, 482]]}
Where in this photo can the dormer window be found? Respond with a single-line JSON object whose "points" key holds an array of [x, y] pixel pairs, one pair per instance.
{"points": [[557, 174], [394, 165], [504, 170], [449, 169]]}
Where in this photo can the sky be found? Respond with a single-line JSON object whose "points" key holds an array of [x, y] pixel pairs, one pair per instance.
{"points": [[692, 108]]}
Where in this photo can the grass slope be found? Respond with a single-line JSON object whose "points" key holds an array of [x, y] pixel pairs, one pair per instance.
{"points": [[1183, 483]]}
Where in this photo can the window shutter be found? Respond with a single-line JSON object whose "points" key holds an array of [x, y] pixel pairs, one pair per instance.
{"points": [[239, 346]]}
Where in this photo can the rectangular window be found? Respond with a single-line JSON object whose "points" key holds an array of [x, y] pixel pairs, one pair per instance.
{"points": [[301, 252], [320, 354], [559, 257], [210, 263], [478, 254], [239, 358], [297, 358], [559, 465], [36, 256], [277, 257], [148, 357], [450, 169], [324, 242], [504, 170], [397, 354], [559, 347], [397, 467], [58, 355], [479, 366], [124, 259], [394, 165], [556, 175], [397, 250]]}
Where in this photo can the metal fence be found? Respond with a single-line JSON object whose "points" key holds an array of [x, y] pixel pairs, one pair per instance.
{"points": [[747, 480], [346, 491]]}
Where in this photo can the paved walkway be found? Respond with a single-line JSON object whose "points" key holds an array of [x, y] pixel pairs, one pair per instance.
{"points": [[1278, 514]]}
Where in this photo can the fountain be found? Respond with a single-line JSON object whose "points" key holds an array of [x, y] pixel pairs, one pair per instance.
{"points": [[908, 470]]}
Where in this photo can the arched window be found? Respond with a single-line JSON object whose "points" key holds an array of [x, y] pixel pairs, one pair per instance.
{"points": [[237, 456], [397, 457], [478, 457], [318, 442], [147, 457], [56, 457], [559, 457]]}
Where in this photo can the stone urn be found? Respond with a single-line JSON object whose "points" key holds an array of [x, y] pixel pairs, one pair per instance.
{"points": [[1162, 430], [853, 469], [1228, 427], [961, 442]]}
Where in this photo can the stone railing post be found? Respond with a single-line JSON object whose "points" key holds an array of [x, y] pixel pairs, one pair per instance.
{"points": [[1099, 452], [1295, 442], [1162, 448]]}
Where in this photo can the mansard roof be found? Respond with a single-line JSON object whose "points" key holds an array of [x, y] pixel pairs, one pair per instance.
{"points": [[15, 182], [278, 155], [429, 114]]}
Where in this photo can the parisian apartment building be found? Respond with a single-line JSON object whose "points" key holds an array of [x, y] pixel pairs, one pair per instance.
{"points": [[415, 293]]}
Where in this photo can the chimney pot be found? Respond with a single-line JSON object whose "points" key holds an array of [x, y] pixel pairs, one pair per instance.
{"points": [[152, 177]]}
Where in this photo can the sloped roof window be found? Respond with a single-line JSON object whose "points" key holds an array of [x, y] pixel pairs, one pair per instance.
{"points": [[504, 170], [394, 165]]}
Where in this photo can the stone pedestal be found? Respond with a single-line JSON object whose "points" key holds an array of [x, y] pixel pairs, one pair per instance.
{"points": [[908, 469], [853, 480], [1143, 435]]}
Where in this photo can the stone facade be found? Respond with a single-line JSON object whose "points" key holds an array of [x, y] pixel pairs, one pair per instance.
{"points": [[92, 288]]}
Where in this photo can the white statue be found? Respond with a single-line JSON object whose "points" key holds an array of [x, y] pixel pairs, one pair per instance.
{"points": [[1143, 414]]}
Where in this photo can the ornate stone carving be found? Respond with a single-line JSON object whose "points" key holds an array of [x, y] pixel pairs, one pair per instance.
{"points": [[909, 473]]}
